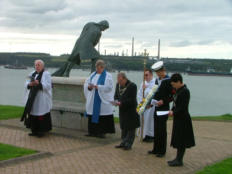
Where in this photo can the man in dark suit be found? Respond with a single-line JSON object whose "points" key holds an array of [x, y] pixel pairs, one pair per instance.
{"points": [[125, 98], [162, 98]]}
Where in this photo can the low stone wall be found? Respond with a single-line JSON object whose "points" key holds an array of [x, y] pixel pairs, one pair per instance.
{"points": [[69, 103]]}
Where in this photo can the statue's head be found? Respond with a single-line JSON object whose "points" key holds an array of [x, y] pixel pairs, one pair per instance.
{"points": [[103, 24]]}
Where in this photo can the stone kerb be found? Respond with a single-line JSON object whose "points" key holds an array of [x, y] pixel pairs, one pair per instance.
{"points": [[68, 103]]}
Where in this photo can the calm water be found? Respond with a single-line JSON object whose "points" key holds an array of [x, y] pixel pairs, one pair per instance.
{"points": [[209, 95]]}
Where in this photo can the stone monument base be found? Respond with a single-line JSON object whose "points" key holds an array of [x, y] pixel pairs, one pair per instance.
{"points": [[69, 103], [71, 120]]}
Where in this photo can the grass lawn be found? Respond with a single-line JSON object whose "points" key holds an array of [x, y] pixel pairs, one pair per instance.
{"points": [[8, 112], [223, 167], [8, 151], [225, 117]]}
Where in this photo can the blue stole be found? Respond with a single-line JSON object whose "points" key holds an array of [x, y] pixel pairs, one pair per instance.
{"points": [[97, 99]]}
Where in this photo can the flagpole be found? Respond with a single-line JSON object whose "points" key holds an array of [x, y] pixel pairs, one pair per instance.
{"points": [[142, 116]]}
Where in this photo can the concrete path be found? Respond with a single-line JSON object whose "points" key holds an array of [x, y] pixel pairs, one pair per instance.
{"points": [[73, 153]]}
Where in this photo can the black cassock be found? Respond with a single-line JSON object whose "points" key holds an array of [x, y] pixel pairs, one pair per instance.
{"points": [[128, 117], [182, 132]]}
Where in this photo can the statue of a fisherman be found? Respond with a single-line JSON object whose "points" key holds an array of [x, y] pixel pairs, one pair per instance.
{"points": [[84, 47]]}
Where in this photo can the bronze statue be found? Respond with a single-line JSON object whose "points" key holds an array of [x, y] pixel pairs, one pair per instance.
{"points": [[84, 47]]}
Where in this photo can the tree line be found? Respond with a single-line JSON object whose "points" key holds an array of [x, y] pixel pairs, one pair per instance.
{"points": [[121, 62]]}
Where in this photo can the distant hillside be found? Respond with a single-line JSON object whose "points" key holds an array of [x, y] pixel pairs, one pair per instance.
{"points": [[120, 62]]}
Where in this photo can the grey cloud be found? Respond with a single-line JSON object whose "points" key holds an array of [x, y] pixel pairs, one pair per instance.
{"points": [[177, 23], [181, 43], [38, 6], [116, 46], [205, 42]]}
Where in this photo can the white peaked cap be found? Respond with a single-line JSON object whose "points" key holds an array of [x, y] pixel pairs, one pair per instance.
{"points": [[157, 66]]}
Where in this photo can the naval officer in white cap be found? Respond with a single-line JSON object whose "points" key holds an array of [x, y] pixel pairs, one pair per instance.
{"points": [[162, 98]]}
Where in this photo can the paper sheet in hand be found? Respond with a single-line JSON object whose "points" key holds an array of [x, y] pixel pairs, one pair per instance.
{"points": [[114, 103], [162, 113], [154, 102]]}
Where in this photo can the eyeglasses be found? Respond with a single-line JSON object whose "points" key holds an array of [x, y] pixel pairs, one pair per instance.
{"points": [[146, 75]]}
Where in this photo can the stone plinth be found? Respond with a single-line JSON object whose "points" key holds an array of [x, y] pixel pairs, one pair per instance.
{"points": [[69, 103]]}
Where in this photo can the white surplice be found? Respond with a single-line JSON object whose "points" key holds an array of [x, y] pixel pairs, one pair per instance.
{"points": [[106, 93], [148, 126], [43, 100]]}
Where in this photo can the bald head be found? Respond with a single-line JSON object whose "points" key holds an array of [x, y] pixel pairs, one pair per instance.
{"points": [[121, 78], [39, 65]]}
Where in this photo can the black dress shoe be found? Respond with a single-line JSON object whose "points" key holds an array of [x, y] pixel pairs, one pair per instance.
{"points": [[151, 152], [175, 163], [149, 140], [101, 136], [120, 146], [40, 135], [159, 155], [90, 135], [32, 134], [171, 161], [127, 148]]}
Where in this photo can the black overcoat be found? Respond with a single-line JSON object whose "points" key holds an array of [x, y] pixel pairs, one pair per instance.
{"points": [[182, 132], [128, 117]]}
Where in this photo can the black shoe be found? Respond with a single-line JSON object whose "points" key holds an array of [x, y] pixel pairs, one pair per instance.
{"points": [[151, 152], [150, 140], [40, 135], [32, 134], [90, 135], [175, 163], [127, 148], [169, 162], [120, 146], [160, 155], [101, 136], [146, 140]]}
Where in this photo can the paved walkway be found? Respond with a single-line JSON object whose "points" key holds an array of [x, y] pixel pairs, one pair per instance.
{"points": [[73, 153]]}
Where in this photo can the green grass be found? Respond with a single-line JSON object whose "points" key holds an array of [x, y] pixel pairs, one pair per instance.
{"points": [[223, 167], [225, 117], [9, 152], [116, 119], [8, 112]]}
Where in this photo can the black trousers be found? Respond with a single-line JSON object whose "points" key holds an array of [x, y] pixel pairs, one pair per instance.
{"points": [[128, 137], [160, 132]]}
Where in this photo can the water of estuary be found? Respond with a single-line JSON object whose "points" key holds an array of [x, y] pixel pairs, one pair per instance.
{"points": [[209, 95]]}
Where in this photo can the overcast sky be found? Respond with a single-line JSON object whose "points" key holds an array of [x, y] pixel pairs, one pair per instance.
{"points": [[186, 28]]}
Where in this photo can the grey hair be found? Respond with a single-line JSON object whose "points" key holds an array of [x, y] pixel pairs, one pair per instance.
{"points": [[41, 61], [100, 63], [122, 74]]}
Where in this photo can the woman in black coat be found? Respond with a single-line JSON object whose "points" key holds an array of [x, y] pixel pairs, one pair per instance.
{"points": [[125, 95], [182, 132]]}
